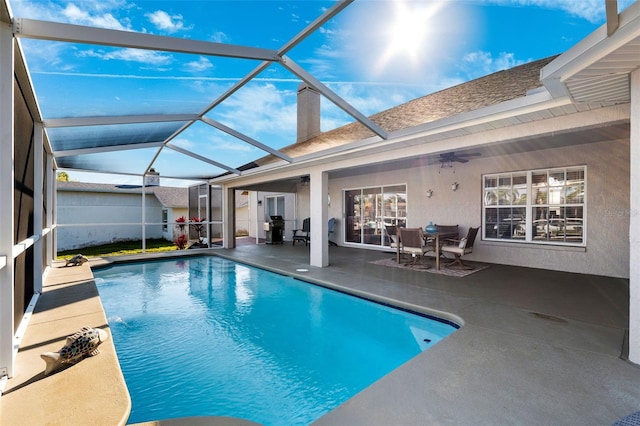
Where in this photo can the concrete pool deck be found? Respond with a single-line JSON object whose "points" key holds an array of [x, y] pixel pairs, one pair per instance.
{"points": [[536, 347], [92, 391]]}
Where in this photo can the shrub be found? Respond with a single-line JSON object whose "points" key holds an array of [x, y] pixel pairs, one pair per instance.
{"points": [[180, 223], [181, 242]]}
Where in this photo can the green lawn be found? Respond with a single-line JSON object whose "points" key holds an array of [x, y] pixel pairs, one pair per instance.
{"points": [[117, 249]]}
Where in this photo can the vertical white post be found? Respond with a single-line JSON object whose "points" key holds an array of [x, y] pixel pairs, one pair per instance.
{"points": [[228, 217], [38, 202], [144, 213], [634, 222], [208, 219], [7, 102], [51, 209], [319, 193]]}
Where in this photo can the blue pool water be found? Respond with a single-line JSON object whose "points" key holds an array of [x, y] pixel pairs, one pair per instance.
{"points": [[204, 336]]}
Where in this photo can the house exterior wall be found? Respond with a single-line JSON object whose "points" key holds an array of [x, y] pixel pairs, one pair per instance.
{"points": [[607, 204], [289, 215], [242, 219], [172, 231], [104, 208]]}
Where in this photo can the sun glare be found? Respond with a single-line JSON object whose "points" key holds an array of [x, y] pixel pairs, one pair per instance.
{"points": [[407, 34]]}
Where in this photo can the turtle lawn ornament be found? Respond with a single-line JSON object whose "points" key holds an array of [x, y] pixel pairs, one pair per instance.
{"points": [[76, 260], [83, 343]]}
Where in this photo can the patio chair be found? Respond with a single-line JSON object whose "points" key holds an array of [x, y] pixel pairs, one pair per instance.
{"points": [[461, 248], [331, 226], [412, 240], [302, 235], [394, 240]]}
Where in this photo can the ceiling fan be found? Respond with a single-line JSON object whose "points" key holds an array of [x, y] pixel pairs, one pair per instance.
{"points": [[450, 157]]}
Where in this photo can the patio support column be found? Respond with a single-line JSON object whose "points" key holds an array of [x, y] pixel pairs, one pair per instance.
{"points": [[38, 202], [51, 209], [229, 217], [319, 190], [144, 213], [54, 218], [7, 232], [634, 222]]}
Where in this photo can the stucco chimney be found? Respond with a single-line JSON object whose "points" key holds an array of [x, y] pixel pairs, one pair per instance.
{"points": [[308, 112], [152, 178]]}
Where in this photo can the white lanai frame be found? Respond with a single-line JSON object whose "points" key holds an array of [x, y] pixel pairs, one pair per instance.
{"points": [[29, 28], [574, 74], [7, 352]]}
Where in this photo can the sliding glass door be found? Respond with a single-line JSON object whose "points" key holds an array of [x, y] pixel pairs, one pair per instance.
{"points": [[368, 210]]}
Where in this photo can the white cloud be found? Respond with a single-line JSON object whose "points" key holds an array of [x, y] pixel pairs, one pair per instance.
{"points": [[165, 22], [202, 64], [261, 108], [94, 13], [219, 37], [591, 10], [480, 63], [131, 55], [75, 15], [45, 54]]}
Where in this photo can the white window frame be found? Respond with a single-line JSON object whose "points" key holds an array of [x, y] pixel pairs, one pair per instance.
{"points": [[528, 207], [277, 201], [165, 220]]}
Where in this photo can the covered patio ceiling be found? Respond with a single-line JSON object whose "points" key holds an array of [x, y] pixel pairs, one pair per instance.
{"points": [[87, 137]]}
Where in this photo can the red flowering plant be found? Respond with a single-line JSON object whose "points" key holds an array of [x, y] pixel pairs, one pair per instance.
{"points": [[181, 242], [180, 223]]}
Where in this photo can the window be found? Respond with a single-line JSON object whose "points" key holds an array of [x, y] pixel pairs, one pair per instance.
{"points": [[275, 207], [165, 215], [535, 206]]}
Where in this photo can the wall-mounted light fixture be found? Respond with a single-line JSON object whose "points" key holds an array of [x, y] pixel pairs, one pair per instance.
{"points": [[454, 186], [429, 192]]}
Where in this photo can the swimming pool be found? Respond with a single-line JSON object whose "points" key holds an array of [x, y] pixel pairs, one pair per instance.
{"points": [[205, 336]]}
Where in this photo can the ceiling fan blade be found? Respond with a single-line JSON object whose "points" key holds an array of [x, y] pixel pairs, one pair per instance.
{"points": [[460, 160]]}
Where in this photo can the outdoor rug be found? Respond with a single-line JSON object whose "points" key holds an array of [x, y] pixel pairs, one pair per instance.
{"points": [[452, 272]]}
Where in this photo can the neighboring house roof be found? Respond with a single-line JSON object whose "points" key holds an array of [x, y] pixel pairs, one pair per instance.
{"points": [[485, 91], [168, 196], [171, 196]]}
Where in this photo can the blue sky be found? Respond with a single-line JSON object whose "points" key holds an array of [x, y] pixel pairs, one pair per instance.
{"points": [[375, 54]]}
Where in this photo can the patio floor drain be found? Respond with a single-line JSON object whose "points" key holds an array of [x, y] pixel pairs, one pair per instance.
{"points": [[548, 317]]}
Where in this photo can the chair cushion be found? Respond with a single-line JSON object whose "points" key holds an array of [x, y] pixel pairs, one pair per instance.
{"points": [[463, 243], [452, 249]]}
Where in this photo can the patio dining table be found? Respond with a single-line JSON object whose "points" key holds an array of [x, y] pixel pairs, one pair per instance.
{"points": [[437, 237]]}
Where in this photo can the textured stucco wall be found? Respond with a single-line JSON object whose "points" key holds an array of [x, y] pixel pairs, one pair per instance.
{"points": [[100, 208], [288, 215], [172, 231], [607, 222]]}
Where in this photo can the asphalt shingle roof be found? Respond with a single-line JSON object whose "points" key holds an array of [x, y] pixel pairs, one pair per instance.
{"points": [[168, 196], [482, 92]]}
